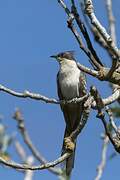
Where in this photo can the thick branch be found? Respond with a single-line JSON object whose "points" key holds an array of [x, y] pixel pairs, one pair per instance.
{"points": [[87, 70], [105, 74]]}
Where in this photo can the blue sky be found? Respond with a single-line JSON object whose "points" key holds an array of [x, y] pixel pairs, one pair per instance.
{"points": [[31, 31]]}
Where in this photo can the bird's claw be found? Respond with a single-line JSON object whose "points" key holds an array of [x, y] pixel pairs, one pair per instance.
{"points": [[69, 144]]}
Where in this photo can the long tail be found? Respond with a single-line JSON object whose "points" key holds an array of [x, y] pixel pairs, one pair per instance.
{"points": [[68, 165]]}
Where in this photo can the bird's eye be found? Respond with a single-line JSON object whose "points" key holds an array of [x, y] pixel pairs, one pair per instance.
{"points": [[61, 55], [58, 55]]}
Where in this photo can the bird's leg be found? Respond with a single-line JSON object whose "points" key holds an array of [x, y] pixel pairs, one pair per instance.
{"points": [[69, 144]]}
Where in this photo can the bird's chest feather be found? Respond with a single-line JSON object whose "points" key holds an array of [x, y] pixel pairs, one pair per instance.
{"points": [[69, 82]]}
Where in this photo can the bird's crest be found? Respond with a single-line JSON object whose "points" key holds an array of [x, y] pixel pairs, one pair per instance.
{"points": [[67, 55]]}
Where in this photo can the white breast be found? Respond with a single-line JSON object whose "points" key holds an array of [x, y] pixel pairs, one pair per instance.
{"points": [[69, 80]]}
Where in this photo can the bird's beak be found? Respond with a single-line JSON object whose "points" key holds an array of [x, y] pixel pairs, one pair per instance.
{"points": [[53, 56]]}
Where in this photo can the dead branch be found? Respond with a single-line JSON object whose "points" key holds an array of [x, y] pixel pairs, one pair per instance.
{"points": [[89, 8], [111, 20], [21, 126], [102, 164], [15, 165], [27, 94]]}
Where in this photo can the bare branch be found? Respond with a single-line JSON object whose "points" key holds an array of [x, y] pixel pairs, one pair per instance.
{"points": [[111, 120], [21, 126], [90, 12], [26, 159], [97, 36], [15, 165], [111, 20], [27, 94], [28, 173], [63, 5], [115, 140], [106, 74], [102, 164], [94, 57], [90, 52], [87, 70], [78, 37], [86, 112], [21, 152], [112, 28], [109, 100]]}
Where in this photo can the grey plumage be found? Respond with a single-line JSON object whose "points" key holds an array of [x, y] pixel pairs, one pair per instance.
{"points": [[71, 83]]}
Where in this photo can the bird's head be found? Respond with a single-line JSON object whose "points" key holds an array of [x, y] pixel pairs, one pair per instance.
{"points": [[64, 56]]}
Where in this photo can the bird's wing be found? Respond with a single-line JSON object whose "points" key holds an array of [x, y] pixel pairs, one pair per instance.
{"points": [[58, 88], [82, 84], [64, 108]]}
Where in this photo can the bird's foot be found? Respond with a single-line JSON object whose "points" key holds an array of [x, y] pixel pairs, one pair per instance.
{"points": [[69, 144]]}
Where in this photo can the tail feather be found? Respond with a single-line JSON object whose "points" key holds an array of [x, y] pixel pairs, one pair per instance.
{"points": [[68, 164]]}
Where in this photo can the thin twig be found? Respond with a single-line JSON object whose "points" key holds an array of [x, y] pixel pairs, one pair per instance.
{"points": [[111, 119], [21, 126], [20, 151], [102, 164], [28, 173], [112, 30], [63, 5], [71, 17], [15, 165], [111, 20], [26, 159], [95, 59], [86, 112]]}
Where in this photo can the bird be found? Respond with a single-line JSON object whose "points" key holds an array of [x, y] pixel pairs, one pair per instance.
{"points": [[71, 83]]}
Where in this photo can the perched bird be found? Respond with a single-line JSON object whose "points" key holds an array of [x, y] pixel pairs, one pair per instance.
{"points": [[71, 83]]}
